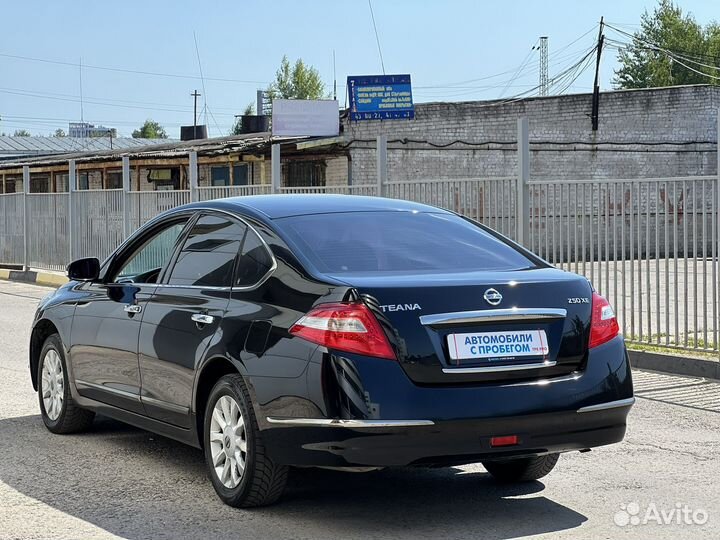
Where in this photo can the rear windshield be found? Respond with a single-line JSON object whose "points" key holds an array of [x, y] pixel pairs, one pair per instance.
{"points": [[399, 242]]}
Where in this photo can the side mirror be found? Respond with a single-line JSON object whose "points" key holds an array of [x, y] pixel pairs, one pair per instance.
{"points": [[84, 269]]}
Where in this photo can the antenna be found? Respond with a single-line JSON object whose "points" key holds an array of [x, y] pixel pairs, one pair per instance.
{"points": [[206, 109], [334, 78], [81, 93], [377, 38], [544, 66]]}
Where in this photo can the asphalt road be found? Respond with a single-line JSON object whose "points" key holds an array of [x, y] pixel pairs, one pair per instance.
{"points": [[118, 481]]}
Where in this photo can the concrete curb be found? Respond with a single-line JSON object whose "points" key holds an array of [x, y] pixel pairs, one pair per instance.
{"points": [[48, 279], [677, 365]]}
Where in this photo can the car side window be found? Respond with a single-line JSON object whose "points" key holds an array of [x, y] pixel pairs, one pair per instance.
{"points": [[255, 261], [208, 255], [146, 262]]}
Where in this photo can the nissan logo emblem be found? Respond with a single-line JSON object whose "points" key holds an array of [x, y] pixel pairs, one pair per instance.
{"points": [[492, 297]]}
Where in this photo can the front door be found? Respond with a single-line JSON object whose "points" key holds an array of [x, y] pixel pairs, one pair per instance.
{"points": [[182, 316], [106, 326]]}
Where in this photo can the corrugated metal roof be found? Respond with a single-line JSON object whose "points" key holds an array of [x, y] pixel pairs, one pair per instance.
{"points": [[255, 142], [36, 146]]}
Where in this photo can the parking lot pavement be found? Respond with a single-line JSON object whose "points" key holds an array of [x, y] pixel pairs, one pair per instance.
{"points": [[118, 481]]}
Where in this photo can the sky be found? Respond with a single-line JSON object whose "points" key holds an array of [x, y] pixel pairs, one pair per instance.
{"points": [[455, 50]]}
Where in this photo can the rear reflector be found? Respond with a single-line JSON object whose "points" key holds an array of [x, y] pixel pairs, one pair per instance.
{"points": [[507, 440], [347, 327], [603, 325]]}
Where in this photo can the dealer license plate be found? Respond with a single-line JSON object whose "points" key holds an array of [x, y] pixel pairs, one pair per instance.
{"points": [[498, 344]]}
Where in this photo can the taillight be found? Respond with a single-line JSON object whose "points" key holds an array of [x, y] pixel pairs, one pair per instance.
{"points": [[349, 327], [603, 325]]}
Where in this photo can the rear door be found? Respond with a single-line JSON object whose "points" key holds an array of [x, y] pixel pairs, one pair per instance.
{"points": [[184, 313]]}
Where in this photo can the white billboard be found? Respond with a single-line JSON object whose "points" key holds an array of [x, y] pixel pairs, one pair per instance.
{"points": [[305, 117]]}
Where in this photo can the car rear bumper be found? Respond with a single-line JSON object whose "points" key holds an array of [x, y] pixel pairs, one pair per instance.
{"points": [[408, 424], [385, 443]]}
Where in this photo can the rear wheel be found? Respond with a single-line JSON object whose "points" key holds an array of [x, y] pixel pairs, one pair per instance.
{"points": [[523, 469], [241, 472], [57, 408]]}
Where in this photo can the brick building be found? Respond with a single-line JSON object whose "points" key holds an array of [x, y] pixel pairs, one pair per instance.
{"points": [[658, 132], [644, 133]]}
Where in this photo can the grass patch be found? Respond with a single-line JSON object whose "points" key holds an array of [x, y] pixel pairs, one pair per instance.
{"points": [[694, 346]]}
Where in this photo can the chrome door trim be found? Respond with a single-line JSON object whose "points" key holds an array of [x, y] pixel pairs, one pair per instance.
{"points": [[492, 315], [350, 423], [608, 405], [79, 384], [164, 404], [497, 369]]}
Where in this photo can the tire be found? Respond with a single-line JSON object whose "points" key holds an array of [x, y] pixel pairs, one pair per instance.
{"points": [[59, 412], [523, 469], [261, 481]]}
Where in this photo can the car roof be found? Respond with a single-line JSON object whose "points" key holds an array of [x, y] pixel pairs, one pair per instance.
{"points": [[287, 205]]}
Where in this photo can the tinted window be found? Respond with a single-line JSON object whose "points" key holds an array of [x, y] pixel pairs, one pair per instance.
{"points": [[399, 241], [208, 256], [153, 254], [254, 262]]}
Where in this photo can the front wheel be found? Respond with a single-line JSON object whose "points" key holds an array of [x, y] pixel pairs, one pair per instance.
{"points": [[57, 408], [241, 472], [522, 469]]}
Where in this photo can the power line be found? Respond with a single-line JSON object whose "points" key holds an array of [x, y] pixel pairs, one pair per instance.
{"points": [[473, 90], [519, 69], [377, 37], [125, 70], [692, 54], [103, 100], [74, 99], [486, 77], [671, 53]]}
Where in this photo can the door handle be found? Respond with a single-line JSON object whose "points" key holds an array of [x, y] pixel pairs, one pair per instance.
{"points": [[133, 308], [202, 318]]}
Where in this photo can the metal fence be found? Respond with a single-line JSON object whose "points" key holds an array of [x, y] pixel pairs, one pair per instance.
{"points": [[491, 201], [12, 228], [650, 245]]}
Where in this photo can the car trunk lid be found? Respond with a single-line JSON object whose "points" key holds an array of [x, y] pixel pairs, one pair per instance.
{"points": [[523, 324]]}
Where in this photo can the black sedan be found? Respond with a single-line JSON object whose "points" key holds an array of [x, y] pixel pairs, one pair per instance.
{"points": [[333, 331]]}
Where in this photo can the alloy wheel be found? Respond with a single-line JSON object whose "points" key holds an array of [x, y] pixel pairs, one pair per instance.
{"points": [[228, 441], [53, 384]]}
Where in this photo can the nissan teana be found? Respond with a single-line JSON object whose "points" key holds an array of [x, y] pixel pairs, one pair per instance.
{"points": [[333, 331]]}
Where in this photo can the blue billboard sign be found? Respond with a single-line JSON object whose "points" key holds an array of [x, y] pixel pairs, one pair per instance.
{"points": [[380, 97]]}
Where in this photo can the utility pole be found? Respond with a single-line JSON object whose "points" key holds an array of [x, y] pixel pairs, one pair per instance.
{"points": [[596, 88], [544, 66], [195, 95], [334, 78]]}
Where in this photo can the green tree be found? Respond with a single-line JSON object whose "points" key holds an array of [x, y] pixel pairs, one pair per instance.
{"points": [[150, 130], [642, 65], [21, 133], [237, 128], [300, 81], [59, 132]]}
